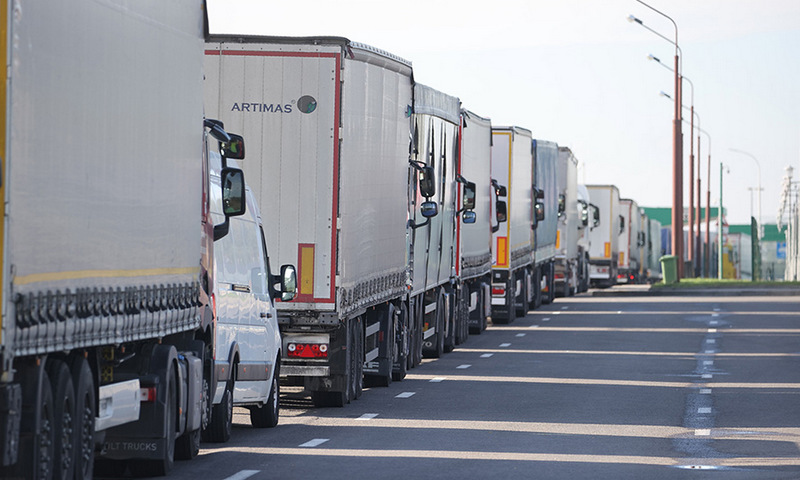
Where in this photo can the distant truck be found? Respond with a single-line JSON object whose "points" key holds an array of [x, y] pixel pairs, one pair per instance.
{"points": [[631, 241], [604, 252], [589, 220], [514, 286], [474, 247], [654, 250], [568, 261], [545, 224], [107, 329]]}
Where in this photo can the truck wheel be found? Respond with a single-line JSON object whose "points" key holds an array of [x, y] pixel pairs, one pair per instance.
{"points": [[221, 424], [85, 414], [479, 308], [162, 466], [36, 427], [450, 323], [522, 296], [266, 415], [64, 415], [187, 446], [437, 347]]}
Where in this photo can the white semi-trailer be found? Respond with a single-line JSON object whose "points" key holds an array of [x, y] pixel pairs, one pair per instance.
{"points": [[475, 247], [107, 241], [568, 255], [631, 241], [328, 161], [589, 220], [604, 252], [545, 223], [513, 284]]}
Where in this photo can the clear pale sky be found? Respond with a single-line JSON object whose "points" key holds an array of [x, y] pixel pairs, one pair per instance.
{"points": [[576, 72]]}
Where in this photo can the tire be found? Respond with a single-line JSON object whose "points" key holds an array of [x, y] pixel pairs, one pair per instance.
{"points": [[481, 317], [221, 425], [267, 415], [64, 425], [83, 382], [451, 322], [357, 361], [162, 466], [187, 446], [438, 348], [401, 345], [524, 304], [36, 452]]}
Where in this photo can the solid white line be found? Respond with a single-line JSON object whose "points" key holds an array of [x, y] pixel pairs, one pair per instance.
{"points": [[487, 355], [704, 410], [315, 443], [534, 326], [520, 335], [702, 432], [438, 379], [712, 330], [242, 475], [367, 416], [463, 367], [405, 395], [505, 344]]}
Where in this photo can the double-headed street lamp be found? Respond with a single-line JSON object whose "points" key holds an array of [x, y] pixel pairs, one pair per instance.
{"points": [[758, 165], [677, 162]]}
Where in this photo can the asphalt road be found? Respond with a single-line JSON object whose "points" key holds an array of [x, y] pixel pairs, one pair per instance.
{"points": [[588, 387]]}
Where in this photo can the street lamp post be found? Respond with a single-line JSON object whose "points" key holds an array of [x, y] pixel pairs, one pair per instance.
{"points": [[677, 164], [691, 256]]}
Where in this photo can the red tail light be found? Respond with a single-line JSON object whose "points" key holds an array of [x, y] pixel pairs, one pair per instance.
{"points": [[307, 350], [147, 394], [498, 291]]}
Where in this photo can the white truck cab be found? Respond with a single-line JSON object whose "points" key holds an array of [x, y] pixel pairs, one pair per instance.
{"points": [[248, 343]]}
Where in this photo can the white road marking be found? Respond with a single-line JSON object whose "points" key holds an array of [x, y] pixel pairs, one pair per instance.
{"points": [[564, 308], [315, 443], [709, 351], [705, 391], [367, 416], [707, 375], [702, 432], [534, 326], [405, 395], [505, 345], [715, 314], [243, 474], [438, 379], [463, 367], [714, 322], [711, 340], [704, 410], [487, 355], [716, 309], [520, 335], [708, 362], [546, 319], [712, 330], [619, 312]]}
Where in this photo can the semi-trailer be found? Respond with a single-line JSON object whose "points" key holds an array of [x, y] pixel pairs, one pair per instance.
{"points": [[475, 239], [107, 240], [589, 220], [568, 260], [631, 241], [544, 227], [604, 251], [513, 283]]}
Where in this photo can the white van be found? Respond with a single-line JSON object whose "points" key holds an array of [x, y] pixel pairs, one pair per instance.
{"points": [[248, 344]]}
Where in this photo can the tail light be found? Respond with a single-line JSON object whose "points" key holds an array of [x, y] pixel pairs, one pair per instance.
{"points": [[498, 291], [147, 394], [307, 350]]}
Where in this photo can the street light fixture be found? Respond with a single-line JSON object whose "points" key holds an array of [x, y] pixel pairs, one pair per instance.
{"points": [[758, 165], [677, 163]]}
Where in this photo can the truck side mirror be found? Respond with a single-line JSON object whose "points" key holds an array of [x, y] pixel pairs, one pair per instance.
{"points": [[288, 283], [502, 212], [469, 217], [427, 182], [539, 210], [233, 191], [469, 196], [233, 149], [428, 210]]}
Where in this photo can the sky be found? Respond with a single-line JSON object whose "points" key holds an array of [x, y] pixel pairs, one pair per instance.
{"points": [[577, 72]]}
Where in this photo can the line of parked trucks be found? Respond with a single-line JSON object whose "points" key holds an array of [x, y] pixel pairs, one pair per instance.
{"points": [[139, 298]]}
